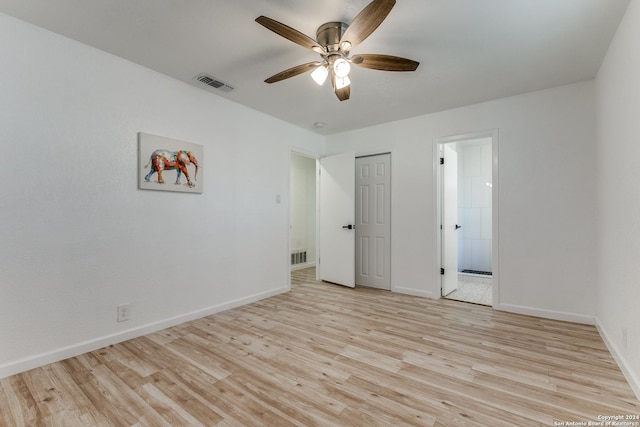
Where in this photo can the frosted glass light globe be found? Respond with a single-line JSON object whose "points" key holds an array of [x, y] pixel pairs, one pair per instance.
{"points": [[319, 75], [341, 67]]}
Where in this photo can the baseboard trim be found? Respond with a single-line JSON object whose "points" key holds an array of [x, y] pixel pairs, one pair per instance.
{"points": [[302, 266], [31, 362], [412, 292], [632, 379], [547, 314]]}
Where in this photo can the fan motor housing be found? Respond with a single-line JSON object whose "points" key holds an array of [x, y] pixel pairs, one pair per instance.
{"points": [[329, 34]]}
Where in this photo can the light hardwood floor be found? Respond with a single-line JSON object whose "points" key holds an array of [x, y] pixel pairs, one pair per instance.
{"points": [[327, 355]]}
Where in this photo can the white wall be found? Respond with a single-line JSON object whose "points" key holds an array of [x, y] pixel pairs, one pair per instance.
{"points": [[546, 204], [303, 206], [618, 184], [77, 237], [474, 204]]}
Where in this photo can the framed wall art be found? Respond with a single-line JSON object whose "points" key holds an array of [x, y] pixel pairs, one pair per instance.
{"points": [[167, 164]]}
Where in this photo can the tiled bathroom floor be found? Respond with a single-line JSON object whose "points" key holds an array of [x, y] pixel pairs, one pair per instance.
{"points": [[475, 290]]}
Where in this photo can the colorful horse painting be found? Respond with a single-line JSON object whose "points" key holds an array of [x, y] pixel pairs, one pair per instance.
{"points": [[162, 160]]}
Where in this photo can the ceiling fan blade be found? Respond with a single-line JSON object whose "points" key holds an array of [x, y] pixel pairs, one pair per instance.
{"points": [[342, 93], [293, 71], [289, 33], [384, 62], [367, 21]]}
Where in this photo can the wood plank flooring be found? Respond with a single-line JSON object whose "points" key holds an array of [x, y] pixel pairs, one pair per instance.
{"points": [[331, 356]]}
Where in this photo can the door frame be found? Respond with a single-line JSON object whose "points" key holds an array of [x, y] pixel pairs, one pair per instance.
{"points": [[437, 203]]}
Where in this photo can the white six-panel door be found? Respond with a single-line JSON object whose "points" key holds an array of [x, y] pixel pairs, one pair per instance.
{"points": [[373, 221]]}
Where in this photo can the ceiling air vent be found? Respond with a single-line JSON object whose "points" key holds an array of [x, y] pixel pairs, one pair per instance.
{"points": [[213, 82]]}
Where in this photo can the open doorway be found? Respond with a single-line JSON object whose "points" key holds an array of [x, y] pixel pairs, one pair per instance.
{"points": [[302, 216], [466, 218]]}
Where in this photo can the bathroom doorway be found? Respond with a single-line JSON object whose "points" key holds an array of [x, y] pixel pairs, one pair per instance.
{"points": [[466, 218]]}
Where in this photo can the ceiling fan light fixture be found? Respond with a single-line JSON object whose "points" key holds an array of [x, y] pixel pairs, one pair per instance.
{"points": [[342, 82], [345, 46], [334, 41], [319, 75], [341, 67]]}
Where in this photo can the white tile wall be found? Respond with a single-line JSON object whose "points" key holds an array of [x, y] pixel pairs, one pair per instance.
{"points": [[474, 205]]}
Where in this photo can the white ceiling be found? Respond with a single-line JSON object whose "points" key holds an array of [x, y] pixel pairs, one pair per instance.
{"points": [[469, 51]]}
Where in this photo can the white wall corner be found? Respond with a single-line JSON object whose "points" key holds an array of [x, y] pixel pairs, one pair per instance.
{"points": [[624, 366]]}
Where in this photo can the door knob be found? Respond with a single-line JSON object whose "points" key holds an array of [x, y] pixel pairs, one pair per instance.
{"points": [[458, 226], [349, 226]]}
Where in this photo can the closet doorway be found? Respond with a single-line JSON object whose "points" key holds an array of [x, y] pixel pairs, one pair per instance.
{"points": [[364, 215], [373, 221]]}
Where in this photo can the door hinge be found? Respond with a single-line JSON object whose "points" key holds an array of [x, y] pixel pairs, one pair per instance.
{"points": [[442, 160], [442, 271]]}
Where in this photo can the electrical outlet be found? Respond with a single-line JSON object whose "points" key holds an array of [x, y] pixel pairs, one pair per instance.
{"points": [[124, 311]]}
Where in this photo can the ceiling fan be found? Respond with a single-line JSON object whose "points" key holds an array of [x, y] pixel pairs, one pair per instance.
{"points": [[334, 43]]}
